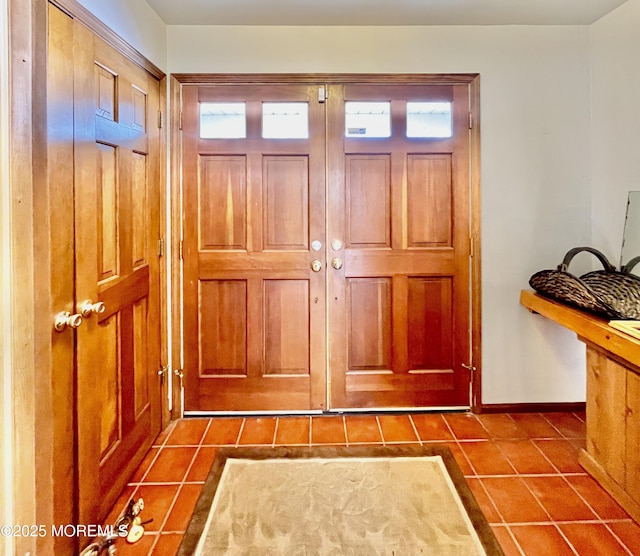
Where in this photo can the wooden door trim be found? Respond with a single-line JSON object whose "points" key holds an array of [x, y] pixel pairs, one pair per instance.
{"points": [[39, 417], [176, 363], [81, 14], [328, 78], [476, 286], [471, 79], [31, 350]]}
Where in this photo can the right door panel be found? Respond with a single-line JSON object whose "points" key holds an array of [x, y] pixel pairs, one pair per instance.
{"points": [[399, 235]]}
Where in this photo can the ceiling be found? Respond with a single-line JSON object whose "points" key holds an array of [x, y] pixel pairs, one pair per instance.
{"points": [[382, 12]]}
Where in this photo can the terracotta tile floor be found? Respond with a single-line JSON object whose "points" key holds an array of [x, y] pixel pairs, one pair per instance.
{"points": [[522, 468]]}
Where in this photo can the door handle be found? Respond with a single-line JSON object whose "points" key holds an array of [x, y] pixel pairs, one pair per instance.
{"points": [[316, 265], [66, 319], [89, 308], [336, 263]]}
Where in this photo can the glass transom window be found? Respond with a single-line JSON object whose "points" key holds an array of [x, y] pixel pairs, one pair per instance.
{"points": [[285, 120], [223, 120], [429, 119], [367, 119]]}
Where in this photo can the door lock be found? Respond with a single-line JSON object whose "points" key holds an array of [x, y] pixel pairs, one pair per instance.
{"points": [[66, 319]]}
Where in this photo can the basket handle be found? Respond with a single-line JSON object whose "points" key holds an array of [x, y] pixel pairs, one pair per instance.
{"points": [[627, 268], [573, 252]]}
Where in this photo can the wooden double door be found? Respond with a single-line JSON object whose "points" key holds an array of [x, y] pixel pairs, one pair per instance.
{"points": [[326, 262], [103, 170]]}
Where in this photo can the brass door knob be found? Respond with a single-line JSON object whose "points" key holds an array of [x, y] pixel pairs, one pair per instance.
{"points": [[66, 319], [336, 263], [316, 265], [89, 308]]}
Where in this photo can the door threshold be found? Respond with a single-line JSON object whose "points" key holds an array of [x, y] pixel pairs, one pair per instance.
{"points": [[429, 409], [276, 413], [333, 411]]}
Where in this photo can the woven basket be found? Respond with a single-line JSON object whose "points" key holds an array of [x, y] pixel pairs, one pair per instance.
{"points": [[607, 293]]}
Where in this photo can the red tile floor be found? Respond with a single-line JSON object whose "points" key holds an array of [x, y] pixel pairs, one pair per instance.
{"points": [[522, 468]]}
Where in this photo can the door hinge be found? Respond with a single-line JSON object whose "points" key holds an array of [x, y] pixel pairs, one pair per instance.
{"points": [[322, 93], [160, 119], [180, 122], [161, 248], [472, 247], [470, 120], [180, 250]]}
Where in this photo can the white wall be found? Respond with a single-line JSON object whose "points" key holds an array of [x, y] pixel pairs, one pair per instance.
{"points": [[136, 23], [536, 196], [615, 137]]}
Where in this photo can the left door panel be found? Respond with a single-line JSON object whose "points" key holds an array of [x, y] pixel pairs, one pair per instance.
{"points": [[254, 217], [116, 226]]}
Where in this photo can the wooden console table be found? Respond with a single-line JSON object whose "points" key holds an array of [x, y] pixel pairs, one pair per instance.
{"points": [[612, 454]]}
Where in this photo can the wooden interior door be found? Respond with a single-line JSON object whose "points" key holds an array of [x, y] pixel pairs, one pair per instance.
{"points": [[117, 228], [253, 223], [399, 208]]}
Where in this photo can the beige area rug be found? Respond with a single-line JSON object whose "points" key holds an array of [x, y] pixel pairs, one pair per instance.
{"points": [[337, 501]]}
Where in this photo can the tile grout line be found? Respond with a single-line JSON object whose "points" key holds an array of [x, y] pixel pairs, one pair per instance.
{"points": [[535, 443], [513, 538], [382, 441], [169, 483], [586, 502], [563, 435], [275, 433], [491, 500], [544, 455], [344, 429], [617, 538], [166, 517], [552, 521], [179, 490], [415, 430], [244, 420]]}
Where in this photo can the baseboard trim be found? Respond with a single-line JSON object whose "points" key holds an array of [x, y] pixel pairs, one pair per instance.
{"points": [[563, 407]]}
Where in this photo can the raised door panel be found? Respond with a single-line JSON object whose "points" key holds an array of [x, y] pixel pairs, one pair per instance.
{"points": [[286, 203], [286, 327], [430, 324], [369, 315], [429, 201], [368, 198], [107, 212], [222, 334], [222, 202]]}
